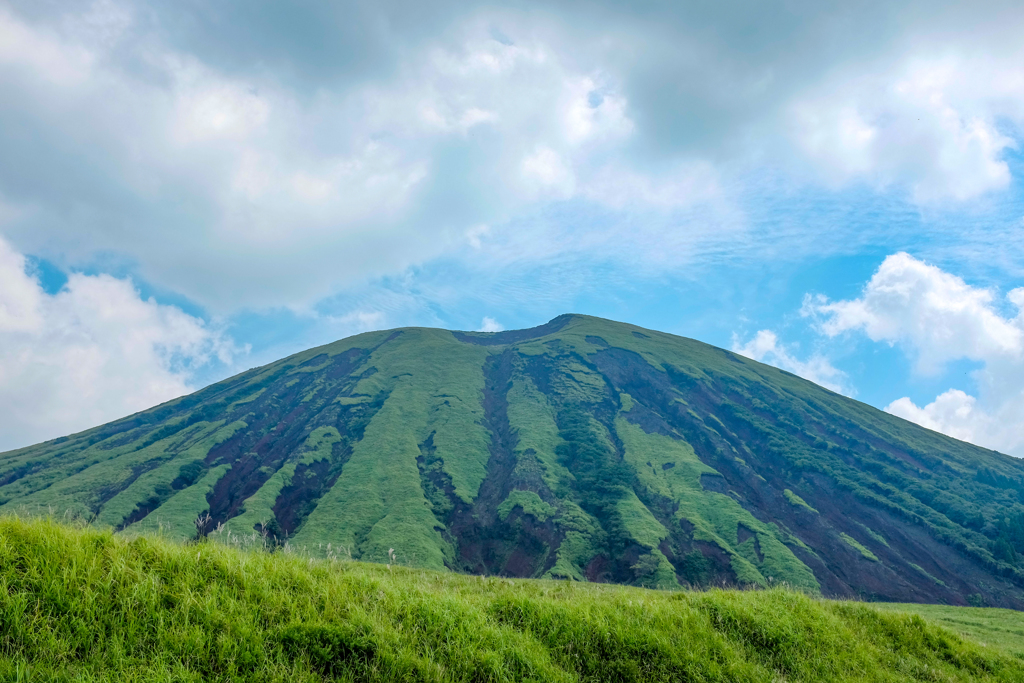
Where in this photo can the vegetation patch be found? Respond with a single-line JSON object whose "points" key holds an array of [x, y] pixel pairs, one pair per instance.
{"points": [[529, 502], [797, 500], [258, 510], [879, 538], [931, 578], [853, 543], [83, 605], [996, 630]]}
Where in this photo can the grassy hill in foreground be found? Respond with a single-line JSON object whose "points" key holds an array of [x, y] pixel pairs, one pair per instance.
{"points": [[85, 605], [999, 629], [583, 449]]}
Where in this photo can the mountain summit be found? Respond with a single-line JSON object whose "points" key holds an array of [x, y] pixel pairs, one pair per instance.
{"points": [[582, 449]]}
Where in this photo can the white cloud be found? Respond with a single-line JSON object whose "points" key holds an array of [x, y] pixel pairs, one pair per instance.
{"points": [[590, 114], [277, 181], [42, 53], [953, 412], [937, 318], [935, 314], [355, 322], [765, 347], [932, 123], [243, 191], [992, 419], [208, 107], [20, 296], [490, 325], [93, 352], [546, 168], [244, 175]]}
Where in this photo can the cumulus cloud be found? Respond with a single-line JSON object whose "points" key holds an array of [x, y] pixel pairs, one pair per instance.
{"points": [[937, 318], [934, 314], [765, 347], [953, 412], [92, 352], [935, 124]]}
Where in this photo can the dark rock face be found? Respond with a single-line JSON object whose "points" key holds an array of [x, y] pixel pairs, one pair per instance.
{"points": [[579, 449]]}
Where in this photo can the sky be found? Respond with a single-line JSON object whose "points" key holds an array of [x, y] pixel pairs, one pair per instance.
{"points": [[192, 188]]}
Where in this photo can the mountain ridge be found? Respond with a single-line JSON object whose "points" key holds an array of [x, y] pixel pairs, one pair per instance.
{"points": [[582, 448]]}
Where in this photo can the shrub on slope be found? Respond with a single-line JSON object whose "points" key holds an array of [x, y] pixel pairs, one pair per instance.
{"points": [[84, 605]]}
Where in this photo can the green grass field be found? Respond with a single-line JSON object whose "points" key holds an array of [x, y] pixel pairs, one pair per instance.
{"points": [[79, 604], [998, 629]]}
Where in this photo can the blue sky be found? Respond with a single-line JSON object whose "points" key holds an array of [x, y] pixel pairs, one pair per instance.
{"points": [[190, 189]]}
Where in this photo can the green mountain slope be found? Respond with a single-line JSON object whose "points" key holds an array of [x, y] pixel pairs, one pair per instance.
{"points": [[581, 449]]}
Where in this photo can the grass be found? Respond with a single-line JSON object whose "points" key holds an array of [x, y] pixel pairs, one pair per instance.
{"points": [[377, 503], [530, 503], [77, 604], [175, 516], [1000, 630], [856, 545], [876, 536], [797, 500], [531, 416], [715, 516], [259, 507]]}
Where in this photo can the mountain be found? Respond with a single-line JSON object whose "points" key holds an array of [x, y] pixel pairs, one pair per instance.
{"points": [[581, 449]]}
